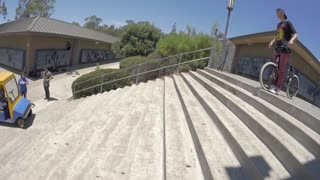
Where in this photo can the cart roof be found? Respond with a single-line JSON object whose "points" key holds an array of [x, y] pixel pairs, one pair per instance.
{"points": [[4, 76]]}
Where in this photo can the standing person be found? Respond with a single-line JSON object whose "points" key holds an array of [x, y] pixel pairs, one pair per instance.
{"points": [[286, 35], [23, 82], [47, 76]]}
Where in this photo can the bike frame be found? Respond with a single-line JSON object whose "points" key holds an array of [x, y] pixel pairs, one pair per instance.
{"points": [[279, 50]]}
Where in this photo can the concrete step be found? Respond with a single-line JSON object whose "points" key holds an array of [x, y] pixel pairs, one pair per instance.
{"points": [[76, 156], [298, 108], [306, 136], [45, 117], [37, 139], [290, 153], [254, 156], [181, 157], [113, 150], [215, 155], [148, 161]]}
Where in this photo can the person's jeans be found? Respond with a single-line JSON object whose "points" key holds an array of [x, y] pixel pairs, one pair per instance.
{"points": [[24, 94], [282, 68], [46, 89]]}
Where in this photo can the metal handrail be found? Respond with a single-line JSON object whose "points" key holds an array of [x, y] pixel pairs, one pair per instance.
{"points": [[134, 66], [138, 74]]}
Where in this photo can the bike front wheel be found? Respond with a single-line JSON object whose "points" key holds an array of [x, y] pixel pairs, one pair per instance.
{"points": [[268, 75], [293, 87]]}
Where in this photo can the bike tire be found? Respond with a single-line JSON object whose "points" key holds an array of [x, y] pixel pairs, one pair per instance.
{"points": [[293, 87], [263, 70]]}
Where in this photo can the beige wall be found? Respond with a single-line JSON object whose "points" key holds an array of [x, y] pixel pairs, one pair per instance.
{"points": [[43, 42], [85, 44], [17, 42], [262, 50], [37, 42], [14, 41]]}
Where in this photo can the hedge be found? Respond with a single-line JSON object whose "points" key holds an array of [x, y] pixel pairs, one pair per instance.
{"points": [[94, 79], [125, 70]]}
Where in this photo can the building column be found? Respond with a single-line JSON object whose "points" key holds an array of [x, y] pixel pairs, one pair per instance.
{"points": [[76, 53], [28, 65]]}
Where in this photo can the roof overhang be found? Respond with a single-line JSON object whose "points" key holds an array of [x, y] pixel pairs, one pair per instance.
{"points": [[266, 37], [30, 33]]}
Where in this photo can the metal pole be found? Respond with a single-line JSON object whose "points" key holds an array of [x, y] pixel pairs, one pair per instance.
{"points": [[178, 70], [227, 26], [73, 92], [101, 84], [137, 77]]}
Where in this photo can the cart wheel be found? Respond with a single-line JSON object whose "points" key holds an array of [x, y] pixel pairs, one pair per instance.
{"points": [[30, 113], [20, 122]]}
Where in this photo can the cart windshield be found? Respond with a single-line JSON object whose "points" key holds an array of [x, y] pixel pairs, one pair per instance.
{"points": [[12, 89]]}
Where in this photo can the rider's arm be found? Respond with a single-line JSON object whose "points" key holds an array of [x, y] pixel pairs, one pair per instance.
{"points": [[272, 42], [294, 37], [293, 32]]}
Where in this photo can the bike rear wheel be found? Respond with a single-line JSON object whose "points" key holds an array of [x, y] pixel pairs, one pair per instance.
{"points": [[293, 86], [268, 75]]}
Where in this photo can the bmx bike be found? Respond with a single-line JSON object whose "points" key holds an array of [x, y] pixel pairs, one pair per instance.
{"points": [[269, 75]]}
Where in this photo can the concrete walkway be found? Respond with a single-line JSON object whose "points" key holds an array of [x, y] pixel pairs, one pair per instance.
{"points": [[195, 125]]}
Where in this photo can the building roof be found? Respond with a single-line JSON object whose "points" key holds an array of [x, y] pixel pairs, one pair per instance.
{"points": [[53, 27], [266, 37]]}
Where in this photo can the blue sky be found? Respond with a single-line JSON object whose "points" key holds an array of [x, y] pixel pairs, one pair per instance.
{"points": [[249, 16]]}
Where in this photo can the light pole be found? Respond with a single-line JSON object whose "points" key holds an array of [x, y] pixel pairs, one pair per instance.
{"points": [[230, 8]]}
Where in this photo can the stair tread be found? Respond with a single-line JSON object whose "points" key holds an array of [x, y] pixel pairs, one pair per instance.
{"points": [[297, 102], [255, 149], [219, 155], [182, 161], [292, 145], [68, 136], [314, 135]]}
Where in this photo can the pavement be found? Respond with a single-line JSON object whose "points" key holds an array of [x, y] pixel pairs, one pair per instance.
{"points": [[60, 86]]}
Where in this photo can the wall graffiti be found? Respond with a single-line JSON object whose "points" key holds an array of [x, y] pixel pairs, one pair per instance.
{"points": [[96, 55], [52, 58], [250, 66], [13, 58]]}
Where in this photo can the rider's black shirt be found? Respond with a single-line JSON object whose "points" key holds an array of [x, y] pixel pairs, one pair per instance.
{"points": [[285, 31]]}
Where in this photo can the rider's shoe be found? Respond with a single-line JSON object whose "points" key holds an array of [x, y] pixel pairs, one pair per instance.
{"points": [[272, 91]]}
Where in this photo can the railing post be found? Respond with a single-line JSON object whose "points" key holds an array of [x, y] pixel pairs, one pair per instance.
{"points": [[74, 92], [101, 84], [178, 70], [137, 77]]}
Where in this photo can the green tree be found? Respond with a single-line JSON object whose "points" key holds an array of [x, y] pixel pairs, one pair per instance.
{"points": [[31, 8], [92, 22], [112, 30], [174, 28], [75, 23], [182, 42], [3, 9], [139, 39]]}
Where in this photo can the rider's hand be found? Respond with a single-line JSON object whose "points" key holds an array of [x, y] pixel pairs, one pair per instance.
{"points": [[290, 44], [271, 44]]}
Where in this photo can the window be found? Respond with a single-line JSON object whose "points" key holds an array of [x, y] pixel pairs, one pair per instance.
{"points": [[12, 89]]}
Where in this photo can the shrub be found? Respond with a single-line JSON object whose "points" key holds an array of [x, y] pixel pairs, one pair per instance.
{"points": [[181, 42], [132, 61], [94, 79]]}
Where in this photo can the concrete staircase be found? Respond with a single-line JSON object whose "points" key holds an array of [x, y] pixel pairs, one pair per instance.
{"points": [[198, 125]]}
